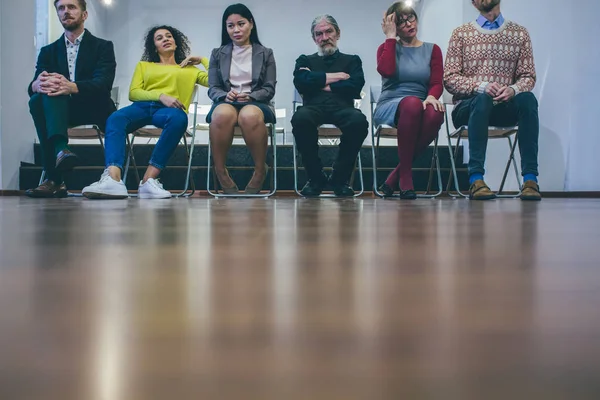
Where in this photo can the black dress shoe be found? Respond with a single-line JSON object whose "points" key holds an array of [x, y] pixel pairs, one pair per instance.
{"points": [[408, 194], [313, 188], [342, 190], [66, 160], [48, 189], [386, 190]]}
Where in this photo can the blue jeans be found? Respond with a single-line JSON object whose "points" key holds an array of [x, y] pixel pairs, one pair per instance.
{"points": [[140, 113], [479, 112]]}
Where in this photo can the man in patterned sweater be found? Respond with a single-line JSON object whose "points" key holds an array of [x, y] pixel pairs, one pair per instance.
{"points": [[490, 71]]}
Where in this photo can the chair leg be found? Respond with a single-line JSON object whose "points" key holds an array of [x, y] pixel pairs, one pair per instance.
{"points": [[209, 170], [435, 162], [99, 134], [274, 161], [453, 174], [189, 181], [130, 158], [295, 159], [360, 176], [511, 159], [375, 155], [272, 135]]}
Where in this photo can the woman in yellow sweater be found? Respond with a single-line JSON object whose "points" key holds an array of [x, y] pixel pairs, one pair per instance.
{"points": [[161, 91]]}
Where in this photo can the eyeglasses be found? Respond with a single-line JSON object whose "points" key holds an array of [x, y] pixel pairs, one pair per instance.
{"points": [[402, 22]]}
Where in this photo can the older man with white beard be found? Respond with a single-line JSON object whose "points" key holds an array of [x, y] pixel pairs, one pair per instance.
{"points": [[328, 81]]}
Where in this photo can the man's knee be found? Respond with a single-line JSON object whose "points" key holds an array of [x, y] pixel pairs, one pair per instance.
{"points": [[482, 102], [358, 123], [36, 102], [303, 118], [527, 100]]}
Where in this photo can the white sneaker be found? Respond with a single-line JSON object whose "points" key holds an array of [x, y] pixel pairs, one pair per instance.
{"points": [[106, 188], [152, 189]]}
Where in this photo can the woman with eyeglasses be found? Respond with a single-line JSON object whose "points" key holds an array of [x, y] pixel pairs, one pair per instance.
{"points": [[412, 83]]}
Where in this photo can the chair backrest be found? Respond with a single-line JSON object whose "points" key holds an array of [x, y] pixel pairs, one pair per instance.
{"points": [[447, 97], [114, 95], [375, 92], [297, 100]]}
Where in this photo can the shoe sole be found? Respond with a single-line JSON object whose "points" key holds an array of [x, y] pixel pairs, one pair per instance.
{"points": [[103, 196], [531, 198], [491, 197], [68, 164], [151, 197], [39, 196]]}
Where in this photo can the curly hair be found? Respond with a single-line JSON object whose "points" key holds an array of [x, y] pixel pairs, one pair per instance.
{"points": [[182, 42]]}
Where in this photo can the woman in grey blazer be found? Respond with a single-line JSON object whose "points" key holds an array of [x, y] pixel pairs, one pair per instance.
{"points": [[241, 79]]}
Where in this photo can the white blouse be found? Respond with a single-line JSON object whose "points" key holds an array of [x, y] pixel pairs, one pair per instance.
{"points": [[240, 74]]}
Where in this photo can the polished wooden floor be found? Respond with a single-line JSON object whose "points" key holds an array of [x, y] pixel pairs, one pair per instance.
{"points": [[299, 299]]}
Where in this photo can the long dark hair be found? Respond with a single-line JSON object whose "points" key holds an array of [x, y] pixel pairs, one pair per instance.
{"points": [[182, 42], [242, 10]]}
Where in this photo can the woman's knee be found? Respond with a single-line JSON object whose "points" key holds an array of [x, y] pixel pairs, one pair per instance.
{"points": [[410, 108], [224, 114], [178, 120], [250, 117], [117, 121], [433, 117]]}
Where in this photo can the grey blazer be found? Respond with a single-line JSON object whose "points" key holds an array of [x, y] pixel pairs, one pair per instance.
{"points": [[264, 74]]}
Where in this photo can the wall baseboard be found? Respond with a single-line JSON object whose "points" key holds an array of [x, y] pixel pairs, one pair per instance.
{"points": [[291, 193]]}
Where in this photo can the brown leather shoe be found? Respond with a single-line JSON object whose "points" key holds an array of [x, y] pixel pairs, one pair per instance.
{"points": [[48, 189], [531, 191], [480, 191], [66, 160]]}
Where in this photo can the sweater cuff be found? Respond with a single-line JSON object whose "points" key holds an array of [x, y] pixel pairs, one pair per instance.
{"points": [[515, 88], [482, 86]]}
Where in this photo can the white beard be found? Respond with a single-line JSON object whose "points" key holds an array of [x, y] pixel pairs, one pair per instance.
{"points": [[327, 52]]}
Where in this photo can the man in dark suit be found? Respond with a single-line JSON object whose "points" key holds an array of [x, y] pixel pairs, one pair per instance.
{"points": [[72, 85], [328, 81]]}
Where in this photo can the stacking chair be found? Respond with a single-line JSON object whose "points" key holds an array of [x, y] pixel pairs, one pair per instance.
{"points": [[153, 132], [331, 135], [494, 132], [386, 131], [237, 133], [87, 132]]}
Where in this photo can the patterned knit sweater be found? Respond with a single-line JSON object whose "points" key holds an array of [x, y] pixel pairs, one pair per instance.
{"points": [[477, 56]]}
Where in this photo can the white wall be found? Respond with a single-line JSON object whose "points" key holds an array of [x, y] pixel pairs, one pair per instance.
{"points": [[16, 130], [563, 39], [288, 36], [1, 97], [283, 26], [96, 22]]}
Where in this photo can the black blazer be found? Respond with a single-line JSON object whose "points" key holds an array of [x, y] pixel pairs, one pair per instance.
{"points": [[94, 72], [264, 74]]}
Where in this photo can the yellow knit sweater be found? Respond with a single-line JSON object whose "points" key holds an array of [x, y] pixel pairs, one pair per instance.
{"points": [[150, 80]]}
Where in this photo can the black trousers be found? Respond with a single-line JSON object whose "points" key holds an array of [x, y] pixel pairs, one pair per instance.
{"points": [[354, 126], [52, 117]]}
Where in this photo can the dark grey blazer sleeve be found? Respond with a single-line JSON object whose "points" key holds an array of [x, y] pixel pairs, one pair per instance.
{"points": [[265, 93], [216, 86]]}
